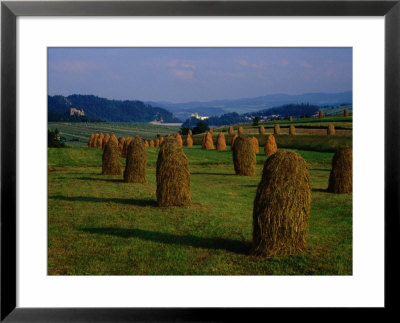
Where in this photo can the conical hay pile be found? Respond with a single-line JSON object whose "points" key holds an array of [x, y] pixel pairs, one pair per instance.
{"points": [[321, 114], [277, 130], [105, 139], [233, 141], [189, 141], [178, 138], [100, 141], [331, 129], [146, 143], [230, 130], [240, 130], [136, 159], [346, 112], [290, 118], [261, 130], [172, 175], [292, 130], [211, 130], [244, 157], [151, 143], [203, 141], [341, 176], [282, 206], [91, 140], [111, 159], [95, 140], [157, 143], [190, 132], [221, 142], [208, 143], [121, 143], [270, 147], [126, 145], [256, 145], [114, 138], [161, 140]]}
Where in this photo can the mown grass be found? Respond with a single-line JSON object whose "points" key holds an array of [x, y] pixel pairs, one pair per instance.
{"points": [[99, 225]]}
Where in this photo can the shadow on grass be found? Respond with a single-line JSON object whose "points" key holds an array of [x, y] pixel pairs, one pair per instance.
{"points": [[221, 174], [113, 180], [138, 202], [235, 246], [324, 190], [321, 169]]}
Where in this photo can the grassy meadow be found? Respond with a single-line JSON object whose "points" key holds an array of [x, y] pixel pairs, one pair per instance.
{"points": [[99, 225]]}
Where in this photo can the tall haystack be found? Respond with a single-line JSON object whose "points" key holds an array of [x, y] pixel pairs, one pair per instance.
{"points": [[126, 145], [244, 157], [189, 141], [346, 112], [91, 140], [240, 130], [209, 144], [230, 130], [121, 143], [341, 176], [146, 143], [151, 143], [211, 130], [178, 138], [105, 139], [233, 141], [331, 129], [157, 143], [256, 145], [292, 130], [190, 132], [270, 147], [100, 141], [277, 130], [161, 140], [95, 140], [282, 206], [114, 138], [261, 130], [111, 159], [320, 114], [290, 118], [172, 175], [136, 159], [221, 142]]}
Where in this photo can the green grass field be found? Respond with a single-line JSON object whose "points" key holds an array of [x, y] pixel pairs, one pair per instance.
{"points": [[99, 225]]}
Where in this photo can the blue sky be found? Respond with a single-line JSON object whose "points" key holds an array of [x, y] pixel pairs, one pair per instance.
{"points": [[197, 74]]}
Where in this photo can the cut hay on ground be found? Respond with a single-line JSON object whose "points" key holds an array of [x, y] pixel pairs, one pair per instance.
{"points": [[189, 141], [178, 138], [277, 130], [111, 159], [244, 157], [230, 130], [136, 159], [172, 175], [331, 129], [221, 142], [292, 130], [282, 206], [261, 130], [270, 147], [256, 145], [233, 141], [341, 176]]}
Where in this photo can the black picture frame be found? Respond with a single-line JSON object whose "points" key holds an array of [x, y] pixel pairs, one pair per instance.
{"points": [[11, 10]]}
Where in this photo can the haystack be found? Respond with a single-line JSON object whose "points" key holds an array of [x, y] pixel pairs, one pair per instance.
{"points": [[208, 143], [126, 145], [157, 143], [105, 139], [151, 143], [172, 175], [114, 138], [190, 132], [233, 141], [331, 129], [161, 140], [111, 159], [256, 145], [178, 138], [121, 143], [136, 159], [240, 130], [292, 130], [261, 130], [277, 130], [346, 112], [221, 142], [244, 157], [290, 118], [91, 140], [211, 130], [203, 141], [320, 114], [270, 147], [282, 206], [189, 141], [230, 130], [95, 140], [100, 141], [341, 176], [146, 143]]}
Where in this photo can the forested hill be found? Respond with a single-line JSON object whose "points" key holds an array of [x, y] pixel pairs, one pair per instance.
{"points": [[97, 108]]}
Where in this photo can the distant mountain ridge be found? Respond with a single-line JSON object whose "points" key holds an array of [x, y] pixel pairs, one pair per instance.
{"points": [[101, 109], [248, 105]]}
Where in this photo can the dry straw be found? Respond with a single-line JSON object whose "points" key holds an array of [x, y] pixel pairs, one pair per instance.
{"points": [[341, 176], [151, 143], [277, 130], [346, 112], [172, 175], [244, 157], [321, 114], [100, 141], [208, 143], [190, 132], [331, 129], [221, 142], [178, 138], [230, 130], [105, 139], [233, 141], [292, 130], [157, 142], [282, 206], [136, 159], [121, 144], [91, 140], [240, 130], [256, 145], [189, 141], [161, 140], [111, 159], [261, 130], [211, 130], [126, 145], [113, 138], [146, 143], [270, 147], [95, 140]]}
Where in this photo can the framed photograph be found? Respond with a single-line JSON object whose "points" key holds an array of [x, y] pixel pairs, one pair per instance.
{"points": [[178, 160]]}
